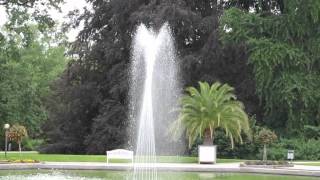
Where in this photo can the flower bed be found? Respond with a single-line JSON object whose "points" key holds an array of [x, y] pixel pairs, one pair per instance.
{"points": [[24, 161], [263, 164]]}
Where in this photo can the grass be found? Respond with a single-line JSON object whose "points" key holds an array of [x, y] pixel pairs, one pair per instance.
{"points": [[311, 164], [99, 158]]}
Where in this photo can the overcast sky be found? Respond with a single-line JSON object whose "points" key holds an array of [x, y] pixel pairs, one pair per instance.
{"points": [[69, 5]]}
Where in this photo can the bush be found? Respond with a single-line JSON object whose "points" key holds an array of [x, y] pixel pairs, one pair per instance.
{"points": [[31, 144], [312, 132], [275, 153], [61, 148], [247, 150], [303, 149], [276, 163]]}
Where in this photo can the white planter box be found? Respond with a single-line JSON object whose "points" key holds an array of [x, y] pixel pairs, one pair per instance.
{"points": [[207, 154]]}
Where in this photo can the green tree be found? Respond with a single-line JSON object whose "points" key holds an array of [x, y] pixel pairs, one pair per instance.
{"points": [[266, 137], [209, 108], [28, 67], [284, 52], [97, 81], [17, 133], [24, 11]]}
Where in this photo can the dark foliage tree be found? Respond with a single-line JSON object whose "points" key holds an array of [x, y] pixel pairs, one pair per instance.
{"points": [[89, 110]]}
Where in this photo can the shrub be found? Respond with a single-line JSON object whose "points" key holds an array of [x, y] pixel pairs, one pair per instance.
{"points": [[32, 144], [17, 133], [303, 149], [312, 132], [247, 150], [266, 137]]}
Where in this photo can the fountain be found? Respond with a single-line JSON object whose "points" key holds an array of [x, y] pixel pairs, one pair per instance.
{"points": [[153, 92]]}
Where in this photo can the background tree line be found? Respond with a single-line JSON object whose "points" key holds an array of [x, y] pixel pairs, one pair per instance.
{"points": [[32, 55], [90, 105], [269, 56], [268, 50]]}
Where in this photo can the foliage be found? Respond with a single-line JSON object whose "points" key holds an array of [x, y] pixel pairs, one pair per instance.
{"points": [[284, 52], [22, 12], [303, 149], [266, 136], [88, 111], [209, 108], [246, 150], [27, 69], [17, 133], [30, 59], [31, 144], [312, 132]]}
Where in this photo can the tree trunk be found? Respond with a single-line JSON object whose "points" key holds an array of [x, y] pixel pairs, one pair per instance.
{"points": [[19, 149], [265, 153], [208, 140]]}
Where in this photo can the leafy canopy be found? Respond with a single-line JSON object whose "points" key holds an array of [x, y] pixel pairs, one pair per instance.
{"points": [[266, 136], [17, 133], [29, 61], [284, 50]]}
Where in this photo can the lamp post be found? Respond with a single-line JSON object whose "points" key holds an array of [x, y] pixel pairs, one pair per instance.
{"points": [[6, 127]]}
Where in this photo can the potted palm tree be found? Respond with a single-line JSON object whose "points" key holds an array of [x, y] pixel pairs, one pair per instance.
{"points": [[205, 110]]}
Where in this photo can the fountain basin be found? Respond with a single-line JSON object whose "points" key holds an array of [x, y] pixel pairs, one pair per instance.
{"points": [[97, 175]]}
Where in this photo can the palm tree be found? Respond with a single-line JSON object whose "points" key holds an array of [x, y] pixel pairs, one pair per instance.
{"points": [[210, 108]]}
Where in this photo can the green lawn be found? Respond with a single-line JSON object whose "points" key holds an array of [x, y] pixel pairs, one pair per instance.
{"points": [[99, 158], [311, 164]]}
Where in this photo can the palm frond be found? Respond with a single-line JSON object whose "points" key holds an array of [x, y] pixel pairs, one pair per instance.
{"points": [[211, 107]]}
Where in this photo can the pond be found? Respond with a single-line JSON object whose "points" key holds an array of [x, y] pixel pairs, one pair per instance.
{"points": [[122, 175]]}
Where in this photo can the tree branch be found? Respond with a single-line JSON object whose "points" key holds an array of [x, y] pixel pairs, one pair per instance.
{"points": [[26, 3]]}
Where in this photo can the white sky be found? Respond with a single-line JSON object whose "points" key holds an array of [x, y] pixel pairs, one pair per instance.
{"points": [[69, 5]]}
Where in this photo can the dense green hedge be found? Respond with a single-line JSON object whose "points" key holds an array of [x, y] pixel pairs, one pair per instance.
{"points": [[304, 148]]}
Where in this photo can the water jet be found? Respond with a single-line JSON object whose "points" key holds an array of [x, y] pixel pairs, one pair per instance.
{"points": [[153, 92]]}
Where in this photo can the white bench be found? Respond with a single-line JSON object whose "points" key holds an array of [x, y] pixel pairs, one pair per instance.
{"points": [[119, 154]]}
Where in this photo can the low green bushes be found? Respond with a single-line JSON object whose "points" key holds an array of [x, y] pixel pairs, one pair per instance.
{"points": [[32, 144], [303, 149]]}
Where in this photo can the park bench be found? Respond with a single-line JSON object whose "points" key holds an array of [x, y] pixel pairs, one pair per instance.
{"points": [[119, 154]]}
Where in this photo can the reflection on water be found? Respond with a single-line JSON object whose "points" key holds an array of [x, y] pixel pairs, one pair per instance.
{"points": [[55, 175], [122, 175]]}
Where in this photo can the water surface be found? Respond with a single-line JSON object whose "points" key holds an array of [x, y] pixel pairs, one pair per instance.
{"points": [[121, 175]]}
